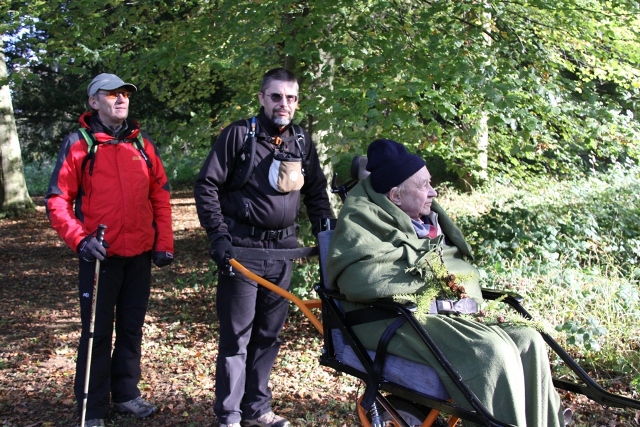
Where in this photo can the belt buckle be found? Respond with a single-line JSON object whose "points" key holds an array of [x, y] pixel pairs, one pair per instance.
{"points": [[272, 235], [445, 306]]}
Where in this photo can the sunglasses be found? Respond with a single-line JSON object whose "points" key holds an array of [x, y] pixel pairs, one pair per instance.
{"points": [[276, 97], [113, 94]]}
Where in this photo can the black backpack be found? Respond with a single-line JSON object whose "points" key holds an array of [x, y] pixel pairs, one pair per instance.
{"points": [[246, 155]]}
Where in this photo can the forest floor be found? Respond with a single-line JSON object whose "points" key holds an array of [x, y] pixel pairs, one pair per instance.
{"points": [[39, 331]]}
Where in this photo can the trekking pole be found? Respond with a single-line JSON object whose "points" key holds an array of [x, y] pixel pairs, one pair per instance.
{"points": [[92, 324]]}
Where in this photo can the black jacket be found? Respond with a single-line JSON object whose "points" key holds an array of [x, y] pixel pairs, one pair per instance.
{"points": [[256, 204]]}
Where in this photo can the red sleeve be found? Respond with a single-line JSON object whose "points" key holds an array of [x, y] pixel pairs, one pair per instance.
{"points": [[63, 191]]}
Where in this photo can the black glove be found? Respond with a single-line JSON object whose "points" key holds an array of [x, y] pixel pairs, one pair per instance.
{"points": [[161, 259], [221, 251], [90, 249]]}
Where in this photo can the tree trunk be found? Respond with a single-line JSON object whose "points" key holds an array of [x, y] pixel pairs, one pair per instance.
{"points": [[469, 181], [318, 80], [328, 62], [483, 134], [13, 187]]}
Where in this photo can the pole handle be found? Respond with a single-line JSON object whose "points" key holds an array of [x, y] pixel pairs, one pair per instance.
{"points": [[100, 233]]}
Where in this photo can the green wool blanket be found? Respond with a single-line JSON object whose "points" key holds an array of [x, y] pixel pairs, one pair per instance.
{"points": [[506, 367]]}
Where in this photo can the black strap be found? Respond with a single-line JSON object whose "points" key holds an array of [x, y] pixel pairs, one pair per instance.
{"points": [[139, 144], [274, 254], [447, 306], [245, 157], [301, 143], [91, 152], [373, 382], [243, 230]]}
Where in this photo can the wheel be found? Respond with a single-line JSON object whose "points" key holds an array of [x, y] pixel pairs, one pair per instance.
{"points": [[413, 414]]}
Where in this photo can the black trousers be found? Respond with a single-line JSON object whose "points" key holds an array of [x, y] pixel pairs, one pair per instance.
{"points": [[251, 318], [123, 294]]}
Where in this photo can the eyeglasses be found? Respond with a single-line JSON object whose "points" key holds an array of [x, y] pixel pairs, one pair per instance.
{"points": [[113, 94], [276, 97]]}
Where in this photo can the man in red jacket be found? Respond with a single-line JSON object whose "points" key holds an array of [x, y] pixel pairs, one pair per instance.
{"points": [[110, 173]]}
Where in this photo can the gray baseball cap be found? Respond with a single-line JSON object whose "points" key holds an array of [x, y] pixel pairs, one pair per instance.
{"points": [[106, 81]]}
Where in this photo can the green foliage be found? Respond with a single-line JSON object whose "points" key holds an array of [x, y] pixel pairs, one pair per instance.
{"points": [[37, 176], [306, 273], [181, 170], [575, 225], [554, 85], [305, 276], [584, 335]]}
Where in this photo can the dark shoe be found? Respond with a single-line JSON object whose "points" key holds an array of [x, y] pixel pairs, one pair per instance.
{"points": [[138, 407], [94, 423], [267, 420]]}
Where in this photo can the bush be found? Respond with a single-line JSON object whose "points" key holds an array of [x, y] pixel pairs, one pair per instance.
{"points": [[37, 176]]}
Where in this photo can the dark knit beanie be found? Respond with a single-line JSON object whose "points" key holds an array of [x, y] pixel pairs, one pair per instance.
{"points": [[390, 164]]}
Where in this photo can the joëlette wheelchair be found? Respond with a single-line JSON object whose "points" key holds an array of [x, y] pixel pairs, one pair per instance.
{"points": [[400, 392]]}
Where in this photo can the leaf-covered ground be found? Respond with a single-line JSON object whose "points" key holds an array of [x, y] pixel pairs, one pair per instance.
{"points": [[39, 330]]}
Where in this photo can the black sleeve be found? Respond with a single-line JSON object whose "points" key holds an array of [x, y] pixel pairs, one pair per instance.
{"points": [[215, 171], [316, 198]]}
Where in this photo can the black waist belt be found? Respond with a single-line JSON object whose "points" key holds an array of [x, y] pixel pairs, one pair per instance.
{"points": [[274, 254], [244, 230]]}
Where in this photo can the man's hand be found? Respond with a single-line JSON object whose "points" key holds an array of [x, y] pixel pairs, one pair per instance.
{"points": [[160, 259], [90, 249], [221, 251]]}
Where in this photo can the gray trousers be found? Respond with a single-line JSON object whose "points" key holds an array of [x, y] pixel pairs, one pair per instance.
{"points": [[251, 318]]}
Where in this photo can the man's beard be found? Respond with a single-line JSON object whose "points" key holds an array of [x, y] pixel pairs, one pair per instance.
{"points": [[280, 121]]}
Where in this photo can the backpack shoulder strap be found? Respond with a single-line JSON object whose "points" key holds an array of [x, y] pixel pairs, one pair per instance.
{"points": [[91, 150], [301, 143], [252, 130], [138, 143], [302, 146], [245, 157]]}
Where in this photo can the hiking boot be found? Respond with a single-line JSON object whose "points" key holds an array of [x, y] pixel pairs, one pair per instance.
{"points": [[267, 420], [94, 423], [138, 407]]}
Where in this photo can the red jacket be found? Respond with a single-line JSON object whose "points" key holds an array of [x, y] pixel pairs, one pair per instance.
{"points": [[119, 191]]}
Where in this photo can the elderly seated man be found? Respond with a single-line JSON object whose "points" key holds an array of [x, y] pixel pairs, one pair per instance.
{"points": [[389, 226]]}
